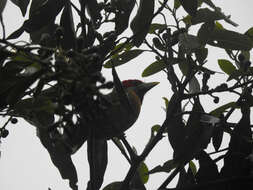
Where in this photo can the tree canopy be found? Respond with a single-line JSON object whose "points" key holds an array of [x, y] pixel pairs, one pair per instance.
{"points": [[54, 82]]}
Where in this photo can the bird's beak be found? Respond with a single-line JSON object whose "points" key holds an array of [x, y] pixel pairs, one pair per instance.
{"points": [[149, 85], [143, 88]]}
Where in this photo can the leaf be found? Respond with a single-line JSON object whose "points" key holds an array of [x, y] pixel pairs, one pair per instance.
{"points": [[155, 129], [185, 179], [97, 157], [124, 8], [188, 42], [226, 39], [194, 86], [22, 4], [218, 25], [156, 26], [217, 138], [208, 170], [2, 6], [201, 55], [177, 4], [220, 110], [153, 68], [226, 66], [158, 44], [190, 6], [143, 172], [207, 118], [206, 15], [242, 130], [21, 86], [123, 58], [193, 167], [48, 30], [166, 167], [230, 40], [67, 23], [113, 186], [249, 33], [166, 101], [198, 134], [94, 11], [60, 157], [43, 15], [141, 22]]}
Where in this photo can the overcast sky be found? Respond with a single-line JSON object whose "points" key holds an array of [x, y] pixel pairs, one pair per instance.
{"points": [[25, 164]]}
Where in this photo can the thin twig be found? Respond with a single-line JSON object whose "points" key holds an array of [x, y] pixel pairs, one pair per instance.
{"points": [[187, 96], [122, 151]]}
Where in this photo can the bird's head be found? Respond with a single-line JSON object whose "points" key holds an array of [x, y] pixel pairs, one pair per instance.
{"points": [[139, 87]]}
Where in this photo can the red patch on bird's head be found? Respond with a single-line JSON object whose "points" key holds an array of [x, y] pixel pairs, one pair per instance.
{"points": [[131, 83]]}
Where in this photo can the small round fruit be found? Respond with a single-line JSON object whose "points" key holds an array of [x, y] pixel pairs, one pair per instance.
{"points": [[241, 57], [14, 120], [4, 133]]}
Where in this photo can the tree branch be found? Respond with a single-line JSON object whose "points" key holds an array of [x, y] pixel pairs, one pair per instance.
{"points": [[230, 181]]}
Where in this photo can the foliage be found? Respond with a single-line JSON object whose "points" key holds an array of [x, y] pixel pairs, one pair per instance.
{"points": [[54, 83]]}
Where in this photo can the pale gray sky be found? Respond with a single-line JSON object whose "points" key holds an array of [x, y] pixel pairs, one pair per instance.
{"points": [[25, 164]]}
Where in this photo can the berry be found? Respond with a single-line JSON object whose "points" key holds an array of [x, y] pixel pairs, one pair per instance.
{"points": [[109, 85], [241, 57], [4, 133], [14, 120]]}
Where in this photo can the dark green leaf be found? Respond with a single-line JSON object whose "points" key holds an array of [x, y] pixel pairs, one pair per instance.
{"points": [[230, 40], [60, 157], [249, 33], [22, 4], [123, 58], [193, 167], [217, 138], [166, 101], [226, 66], [67, 23], [190, 6], [201, 55], [194, 85], [211, 34], [38, 35], [189, 42], [141, 22], [125, 8], [206, 15], [97, 157], [143, 172], [93, 10], [156, 26], [43, 15], [36, 4], [2, 6], [220, 110], [218, 25], [177, 4], [158, 44], [21, 86], [113, 186], [185, 179], [208, 170], [153, 68]]}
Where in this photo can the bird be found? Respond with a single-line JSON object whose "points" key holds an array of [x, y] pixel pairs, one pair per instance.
{"points": [[121, 111], [121, 108]]}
